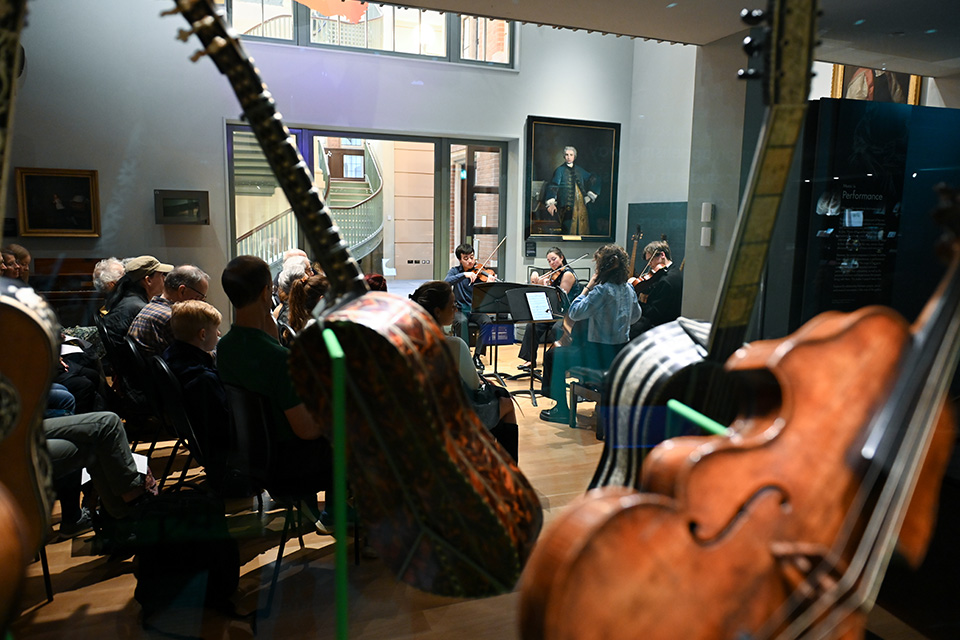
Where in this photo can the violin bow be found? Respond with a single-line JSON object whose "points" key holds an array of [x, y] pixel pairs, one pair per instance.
{"points": [[492, 253], [569, 264]]}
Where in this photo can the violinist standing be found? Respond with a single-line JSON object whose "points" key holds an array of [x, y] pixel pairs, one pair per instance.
{"points": [[462, 277], [661, 302], [563, 277]]}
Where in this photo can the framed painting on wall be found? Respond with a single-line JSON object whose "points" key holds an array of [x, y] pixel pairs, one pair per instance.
{"points": [[58, 202], [571, 179], [875, 85]]}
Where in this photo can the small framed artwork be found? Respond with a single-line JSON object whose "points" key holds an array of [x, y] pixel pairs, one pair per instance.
{"points": [[571, 179], [875, 85], [58, 202], [181, 207]]}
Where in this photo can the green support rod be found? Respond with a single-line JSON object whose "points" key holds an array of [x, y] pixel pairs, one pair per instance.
{"points": [[337, 362], [707, 424]]}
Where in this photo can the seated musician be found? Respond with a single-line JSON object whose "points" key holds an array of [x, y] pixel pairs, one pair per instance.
{"points": [[250, 356], [608, 306], [462, 278], [563, 277], [491, 402], [661, 302]]}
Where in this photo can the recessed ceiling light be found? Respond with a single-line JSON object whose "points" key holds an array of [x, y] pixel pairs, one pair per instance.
{"points": [[859, 22], [930, 31], [671, 5]]}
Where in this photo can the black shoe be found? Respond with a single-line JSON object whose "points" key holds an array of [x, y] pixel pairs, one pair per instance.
{"points": [[72, 530], [556, 415], [478, 363], [524, 367]]}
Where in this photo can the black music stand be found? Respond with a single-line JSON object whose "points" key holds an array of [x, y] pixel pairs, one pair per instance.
{"points": [[491, 298], [533, 304]]}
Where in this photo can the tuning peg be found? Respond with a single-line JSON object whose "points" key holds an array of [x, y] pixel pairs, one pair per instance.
{"points": [[752, 17], [199, 53], [749, 74], [184, 34], [752, 46], [170, 12]]}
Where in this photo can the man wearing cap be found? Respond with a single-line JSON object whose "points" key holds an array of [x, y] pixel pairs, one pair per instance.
{"points": [[142, 280], [151, 328]]}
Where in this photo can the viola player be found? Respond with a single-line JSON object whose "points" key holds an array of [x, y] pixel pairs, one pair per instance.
{"points": [[661, 302]]}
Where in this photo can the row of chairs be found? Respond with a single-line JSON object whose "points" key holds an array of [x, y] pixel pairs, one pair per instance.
{"points": [[150, 399]]}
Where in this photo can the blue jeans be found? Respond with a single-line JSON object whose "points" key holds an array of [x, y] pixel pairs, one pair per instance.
{"points": [[60, 402]]}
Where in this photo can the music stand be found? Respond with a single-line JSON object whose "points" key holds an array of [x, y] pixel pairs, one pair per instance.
{"points": [[491, 298], [533, 304]]}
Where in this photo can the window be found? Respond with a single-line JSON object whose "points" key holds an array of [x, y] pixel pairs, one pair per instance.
{"points": [[353, 24]]}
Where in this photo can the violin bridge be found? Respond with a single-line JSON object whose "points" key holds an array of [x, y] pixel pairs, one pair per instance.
{"points": [[805, 567]]}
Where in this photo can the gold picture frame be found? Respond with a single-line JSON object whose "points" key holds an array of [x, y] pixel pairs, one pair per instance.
{"points": [[58, 203], [902, 88]]}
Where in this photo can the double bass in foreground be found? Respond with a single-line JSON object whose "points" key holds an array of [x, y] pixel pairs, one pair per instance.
{"points": [[783, 528]]}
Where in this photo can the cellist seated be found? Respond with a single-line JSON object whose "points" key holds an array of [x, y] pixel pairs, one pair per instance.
{"points": [[608, 306]]}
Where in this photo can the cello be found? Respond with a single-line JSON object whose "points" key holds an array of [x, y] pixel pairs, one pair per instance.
{"points": [[446, 507], [784, 527]]}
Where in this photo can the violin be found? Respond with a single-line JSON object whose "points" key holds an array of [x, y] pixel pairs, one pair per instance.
{"points": [[484, 275]]}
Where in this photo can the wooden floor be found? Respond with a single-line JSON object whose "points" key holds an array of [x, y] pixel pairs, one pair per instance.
{"points": [[93, 595]]}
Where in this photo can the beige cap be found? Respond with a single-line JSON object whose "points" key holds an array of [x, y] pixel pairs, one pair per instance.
{"points": [[145, 265]]}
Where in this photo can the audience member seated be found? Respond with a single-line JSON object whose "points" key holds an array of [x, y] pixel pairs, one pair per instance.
{"points": [[142, 280], [150, 330], [8, 266], [106, 274], [304, 296], [81, 374], [96, 441], [251, 357], [23, 260], [376, 282], [294, 268], [491, 402], [196, 329]]}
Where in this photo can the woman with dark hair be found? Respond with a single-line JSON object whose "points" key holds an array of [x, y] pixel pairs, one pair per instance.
{"points": [[491, 402], [563, 277], [608, 305]]}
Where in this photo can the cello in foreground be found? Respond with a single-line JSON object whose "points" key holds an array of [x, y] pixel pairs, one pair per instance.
{"points": [[783, 528]]}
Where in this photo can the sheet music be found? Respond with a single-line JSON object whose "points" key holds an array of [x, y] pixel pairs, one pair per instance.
{"points": [[539, 305]]}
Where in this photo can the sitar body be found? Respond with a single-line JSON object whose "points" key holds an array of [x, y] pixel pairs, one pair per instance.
{"points": [[448, 509]]}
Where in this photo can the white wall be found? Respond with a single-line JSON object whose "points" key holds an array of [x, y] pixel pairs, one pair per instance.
{"points": [[107, 86]]}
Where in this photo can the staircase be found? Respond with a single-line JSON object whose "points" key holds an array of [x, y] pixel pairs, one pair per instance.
{"points": [[347, 193]]}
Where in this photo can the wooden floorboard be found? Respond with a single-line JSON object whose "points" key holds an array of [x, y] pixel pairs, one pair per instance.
{"points": [[94, 595]]}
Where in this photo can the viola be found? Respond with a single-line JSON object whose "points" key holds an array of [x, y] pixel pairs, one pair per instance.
{"points": [[643, 284]]}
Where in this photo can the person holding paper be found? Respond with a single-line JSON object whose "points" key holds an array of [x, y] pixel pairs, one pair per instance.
{"points": [[563, 277], [609, 306]]}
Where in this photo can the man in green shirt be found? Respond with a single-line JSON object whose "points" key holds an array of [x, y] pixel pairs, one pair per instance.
{"points": [[250, 356]]}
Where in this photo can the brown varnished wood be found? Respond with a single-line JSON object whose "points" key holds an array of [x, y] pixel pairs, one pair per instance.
{"points": [[727, 529]]}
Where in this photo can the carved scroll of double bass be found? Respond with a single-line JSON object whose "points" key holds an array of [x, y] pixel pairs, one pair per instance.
{"points": [[446, 507], [784, 528]]}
